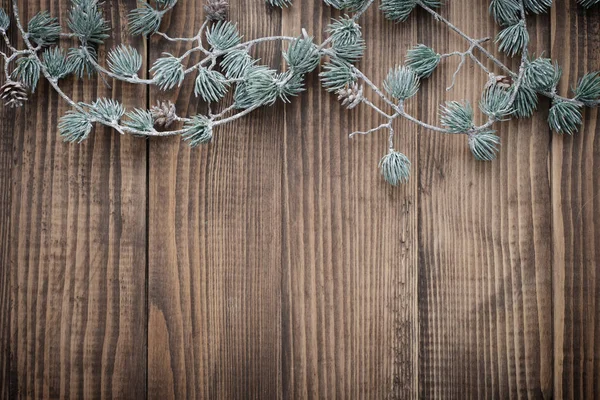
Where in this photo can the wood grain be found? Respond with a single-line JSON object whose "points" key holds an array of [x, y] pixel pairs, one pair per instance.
{"points": [[485, 236], [350, 247], [276, 263], [73, 278], [215, 223], [576, 216]]}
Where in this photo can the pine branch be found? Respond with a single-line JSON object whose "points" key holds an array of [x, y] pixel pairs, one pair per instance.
{"points": [[255, 85]]}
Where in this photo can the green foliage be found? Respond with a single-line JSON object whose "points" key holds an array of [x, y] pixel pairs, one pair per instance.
{"points": [[395, 168], [505, 12], [108, 110], [236, 62], [290, 84], [80, 60], [354, 5], [588, 3], [564, 117], [124, 61], [279, 3], [537, 6], [302, 56], [457, 117], [75, 126], [144, 20], [43, 29], [541, 75], [223, 36], [4, 20], [55, 62], [401, 83], [513, 38], [525, 103], [260, 87], [346, 39], [87, 22], [198, 130], [337, 74], [339, 4], [27, 71], [495, 102], [210, 85], [140, 120], [484, 145], [399, 10], [423, 60], [588, 89], [168, 72]]}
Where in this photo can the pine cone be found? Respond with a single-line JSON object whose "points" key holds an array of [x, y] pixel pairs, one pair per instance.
{"points": [[500, 80], [14, 94], [164, 114], [351, 96], [216, 10]]}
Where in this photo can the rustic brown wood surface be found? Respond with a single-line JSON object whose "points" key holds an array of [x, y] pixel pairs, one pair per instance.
{"points": [[276, 263]]}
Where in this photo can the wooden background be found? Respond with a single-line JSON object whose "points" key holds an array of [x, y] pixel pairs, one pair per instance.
{"points": [[276, 263]]}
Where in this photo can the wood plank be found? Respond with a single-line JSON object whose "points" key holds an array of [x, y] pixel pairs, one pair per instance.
{"points": [[485, 240], [350, 244], [7, 128], [215, 239], [576, 217], [76, 246]]}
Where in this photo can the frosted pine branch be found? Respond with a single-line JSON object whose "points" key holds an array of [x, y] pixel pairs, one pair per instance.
{"points": [[227, 65]]}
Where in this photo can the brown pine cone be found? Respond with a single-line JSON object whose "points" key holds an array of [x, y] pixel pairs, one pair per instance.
{"points": [[13, 93], [164, 114], [351, 95], [216, 10]]}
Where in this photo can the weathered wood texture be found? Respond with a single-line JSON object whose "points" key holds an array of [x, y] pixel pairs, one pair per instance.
{"points": [[276, 263], [73, 245]]}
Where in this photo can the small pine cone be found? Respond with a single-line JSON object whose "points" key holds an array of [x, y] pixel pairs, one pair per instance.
{"points": [[351, 95], [164, 114], [500, 80], [14, 94], [216, 10]]}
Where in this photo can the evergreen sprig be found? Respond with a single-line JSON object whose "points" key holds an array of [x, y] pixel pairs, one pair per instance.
{"points": [[56, 63], [223, 36], [484, 145], [395, 168], [198, 130], [4, 20], [144, 20], [423, 60], [87, 22], [27, 71], [210, 85], [106, 110], [513, 38], [457, 117], [337, 74], [402, 82], [588, 89], [140, 120], [496, 102], [168, 72], [81, 59], [125, 61], [75, 126], [43, 29], [564, 117], [302, 56]]}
